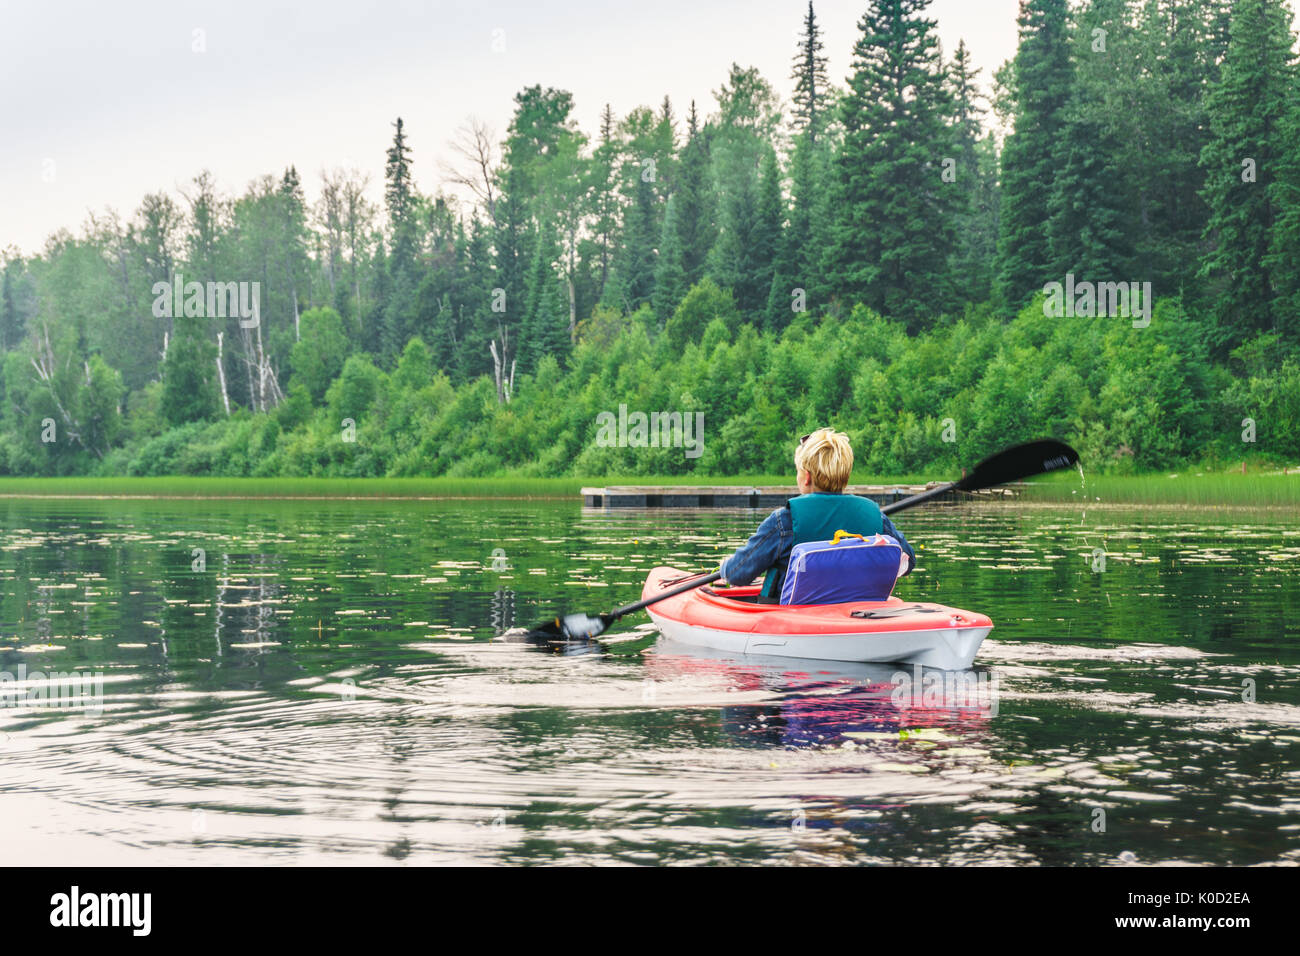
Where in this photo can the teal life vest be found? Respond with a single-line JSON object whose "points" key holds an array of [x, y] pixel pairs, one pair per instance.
{"points": [[817, 516]]}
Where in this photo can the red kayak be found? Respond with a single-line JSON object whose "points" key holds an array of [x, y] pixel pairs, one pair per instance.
{"points": [[729, 619]]}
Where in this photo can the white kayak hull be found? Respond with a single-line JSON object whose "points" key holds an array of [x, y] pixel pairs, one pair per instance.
{"points": [[950, 648]]}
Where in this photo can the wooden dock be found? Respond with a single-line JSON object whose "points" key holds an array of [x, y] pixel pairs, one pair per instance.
{"points": [[750, 496]]}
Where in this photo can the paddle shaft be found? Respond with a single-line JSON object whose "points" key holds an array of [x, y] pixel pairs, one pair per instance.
{"points": [[918, 498], [680, 589]]}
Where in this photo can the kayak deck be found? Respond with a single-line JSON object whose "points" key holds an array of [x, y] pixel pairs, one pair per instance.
{"points": [[728, 619]]}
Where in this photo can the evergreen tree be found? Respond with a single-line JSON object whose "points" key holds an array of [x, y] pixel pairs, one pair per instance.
{"points": [[670, 273], [1040, 89], [806, 238], [1177, 51], [634, 264], [735, 258], [604, 202], [190, 389], [974, 183], [1248, 110], [546, 329], [294, 260], [742, 258], [12, 318], [1090, 204], [695, 204], [894, 215], [1283, 260], [810, 83], [513, 243], [472, 298], [401, 200], [803, 248], [770, 268]]}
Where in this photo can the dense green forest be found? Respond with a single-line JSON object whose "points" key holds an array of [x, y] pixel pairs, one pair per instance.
{"points": [[876, 255]]}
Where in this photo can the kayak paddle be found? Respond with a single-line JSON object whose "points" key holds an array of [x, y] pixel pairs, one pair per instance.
{"points": [[1012, 464]]}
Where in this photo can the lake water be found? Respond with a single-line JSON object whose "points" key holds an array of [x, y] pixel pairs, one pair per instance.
{"points": [[325, 682]]}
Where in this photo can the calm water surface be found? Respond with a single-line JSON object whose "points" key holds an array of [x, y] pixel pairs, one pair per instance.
{"points": [[327, 682]]}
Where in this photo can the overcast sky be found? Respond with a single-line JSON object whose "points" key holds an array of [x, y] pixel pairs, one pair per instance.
{"points": [[104, 102]]}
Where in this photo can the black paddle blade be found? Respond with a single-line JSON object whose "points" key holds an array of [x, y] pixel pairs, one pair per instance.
{"points": [[550, 631], [571, 627], [1021, 461]]}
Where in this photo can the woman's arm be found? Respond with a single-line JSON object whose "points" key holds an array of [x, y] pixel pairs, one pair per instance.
{"points": [[897, 535], [774, 537]]}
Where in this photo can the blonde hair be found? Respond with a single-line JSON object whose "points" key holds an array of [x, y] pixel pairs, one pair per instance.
{"points": [[827, 457]]}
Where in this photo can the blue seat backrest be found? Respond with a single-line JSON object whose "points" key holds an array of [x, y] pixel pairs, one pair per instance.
{"points": [[853, 570]]}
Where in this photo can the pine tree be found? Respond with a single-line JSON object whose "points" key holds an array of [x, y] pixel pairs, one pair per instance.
{"points": [[894, 215], [1248, 110], [1088, 226], [695, 204], [1041, 78], [513, 244], [399, 195], [634, 263], [294, 261], [546, 329], [190, 390], [472, 300], [604, 203], [811, 85], [665, 151], [12, 319], [806, 238], [670, 274], [734, 260], [1176, 54], [974, 183], [803, 248], [399, 190], [1283, 260], [769, 241]]}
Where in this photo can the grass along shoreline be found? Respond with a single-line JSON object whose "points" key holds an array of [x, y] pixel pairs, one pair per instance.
{"points": [[1263, 489]]}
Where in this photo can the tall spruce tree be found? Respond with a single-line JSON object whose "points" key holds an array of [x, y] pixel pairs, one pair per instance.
{"points": [[1283, 260], [803, 249], [670, 274], [546, 327], [1040, 90], [1248, 110], [189, 375], [513, 245], [771, 273], [810, 83], [401, 200], [603, 200], [695, 206], [1089, 230], [1177, 51], [971, 261], [634, 264], [894, 222]]}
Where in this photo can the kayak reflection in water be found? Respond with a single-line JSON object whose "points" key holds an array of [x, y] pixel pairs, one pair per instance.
{"points": [[823, 462], [826, 704]]}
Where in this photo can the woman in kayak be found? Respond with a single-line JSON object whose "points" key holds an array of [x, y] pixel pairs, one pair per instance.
{"points": [[822, 464]]}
